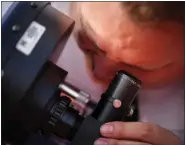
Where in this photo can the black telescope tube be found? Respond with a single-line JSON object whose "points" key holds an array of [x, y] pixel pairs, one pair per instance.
{"points": [[123, 90]]}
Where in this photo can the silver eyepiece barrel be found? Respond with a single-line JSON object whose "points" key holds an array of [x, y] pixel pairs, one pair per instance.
{"points": [[75, 93]]}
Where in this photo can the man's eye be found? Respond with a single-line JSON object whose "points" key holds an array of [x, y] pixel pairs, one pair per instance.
{"points": [[85, 43], [88, 45]]}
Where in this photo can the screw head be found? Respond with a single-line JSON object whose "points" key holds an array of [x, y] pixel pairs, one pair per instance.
{"points": [[2, 73], [40, 132], [15, 28], [33, 5], [7, 143]]}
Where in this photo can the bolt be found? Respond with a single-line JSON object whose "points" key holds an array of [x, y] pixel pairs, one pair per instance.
{"points": [[15, 28], [131, 111], [33, 5]]}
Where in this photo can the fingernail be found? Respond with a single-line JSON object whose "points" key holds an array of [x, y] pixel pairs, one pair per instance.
{"points": [[100, 142], [107, 128]]}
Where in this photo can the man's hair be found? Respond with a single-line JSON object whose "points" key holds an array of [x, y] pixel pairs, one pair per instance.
{"points": [[155, 11]]}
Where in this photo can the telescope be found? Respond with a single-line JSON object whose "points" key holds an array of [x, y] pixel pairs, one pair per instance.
{"points": [[33, 35]]}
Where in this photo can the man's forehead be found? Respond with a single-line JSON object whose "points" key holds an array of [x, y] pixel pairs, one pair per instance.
{"points": [[102, 20]]}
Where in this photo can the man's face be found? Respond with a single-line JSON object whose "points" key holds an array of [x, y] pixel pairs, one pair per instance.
{"points": [[113, 41]]}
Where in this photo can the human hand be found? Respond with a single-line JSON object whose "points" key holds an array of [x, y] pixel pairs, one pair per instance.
{"points": [[135, 133]]}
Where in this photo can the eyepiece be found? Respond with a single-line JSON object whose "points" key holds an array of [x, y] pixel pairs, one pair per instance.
{"points": [[122, 86], [129, 77], [122, 90]]}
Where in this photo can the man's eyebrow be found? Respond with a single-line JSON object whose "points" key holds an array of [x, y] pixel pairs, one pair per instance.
{"points": [[88, 33], [85, 26]]}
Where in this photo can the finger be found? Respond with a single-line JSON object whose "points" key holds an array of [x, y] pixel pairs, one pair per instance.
{"points": [[103, 141], [144, 132]]}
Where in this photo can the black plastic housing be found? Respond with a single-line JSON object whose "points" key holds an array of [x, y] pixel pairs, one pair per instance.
{"points": [[30, 81], [123, 88]]}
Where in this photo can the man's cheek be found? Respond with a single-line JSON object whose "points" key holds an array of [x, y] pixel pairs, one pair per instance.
{"points": [[102, 70]]}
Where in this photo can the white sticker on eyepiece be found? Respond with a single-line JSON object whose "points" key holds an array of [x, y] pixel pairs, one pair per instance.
{"points": [[117, 103], [30, 38]]}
